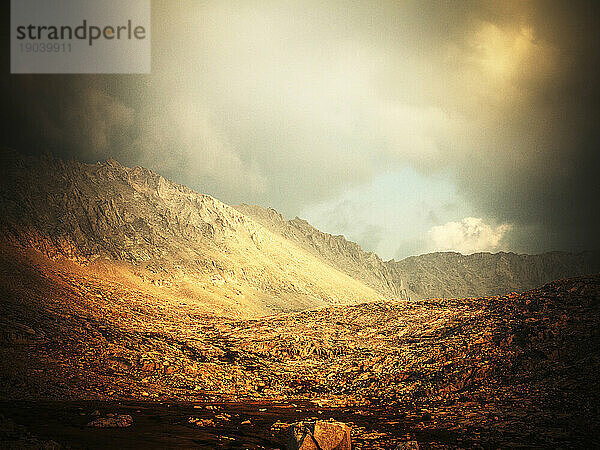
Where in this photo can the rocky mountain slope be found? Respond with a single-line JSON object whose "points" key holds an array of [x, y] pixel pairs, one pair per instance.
{"points": [[452, 275], [345, 255], [140, 227], [513, 371], [123, 292], [433, 275], [246, 260]]}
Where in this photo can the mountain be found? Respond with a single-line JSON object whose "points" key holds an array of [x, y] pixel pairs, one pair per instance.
{"points": [[342, 254], [513, 371], [123, 294], [433, 275], [140, 228], [453, 275]]}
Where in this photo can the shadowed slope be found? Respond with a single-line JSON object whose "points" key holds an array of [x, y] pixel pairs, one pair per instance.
{"points": [[451, 274]]}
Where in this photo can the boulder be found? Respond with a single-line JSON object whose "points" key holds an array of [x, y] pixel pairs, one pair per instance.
{"points": [[318, 435]]}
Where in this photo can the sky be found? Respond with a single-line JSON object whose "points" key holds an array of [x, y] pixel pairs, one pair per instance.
{"points": [[407, 126]]}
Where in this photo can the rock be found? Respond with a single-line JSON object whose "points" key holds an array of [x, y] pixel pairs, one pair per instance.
{"points": [[115, 421], [148, 367], [205, 423], [408, 445], [280, 426], [201, 422], [319, 435]]}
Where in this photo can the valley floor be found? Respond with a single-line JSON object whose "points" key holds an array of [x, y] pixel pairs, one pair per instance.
{"points": [[516, 370]]}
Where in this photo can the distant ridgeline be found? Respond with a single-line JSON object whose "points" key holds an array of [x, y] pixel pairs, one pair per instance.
{"points": [[433, 275], [451, 274], [86, 212]]}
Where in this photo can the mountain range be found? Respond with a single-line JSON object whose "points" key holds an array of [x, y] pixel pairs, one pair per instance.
{"points": [[139, 228]]}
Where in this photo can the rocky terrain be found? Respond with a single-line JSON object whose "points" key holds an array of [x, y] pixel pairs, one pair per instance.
{"points": [[514, 370]]}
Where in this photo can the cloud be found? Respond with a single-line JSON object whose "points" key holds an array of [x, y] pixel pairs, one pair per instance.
{"points": [[294, 104], [345, 216], [181, 140], [391, 214], [97, 123], [470, 235], [176, 137], [76, 119]]}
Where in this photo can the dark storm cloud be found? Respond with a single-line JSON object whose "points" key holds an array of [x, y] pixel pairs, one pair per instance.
{"points": [[291, 104], [549, 190]]}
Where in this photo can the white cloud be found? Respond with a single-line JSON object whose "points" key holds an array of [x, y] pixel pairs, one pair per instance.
{"points": [[470, 235]]}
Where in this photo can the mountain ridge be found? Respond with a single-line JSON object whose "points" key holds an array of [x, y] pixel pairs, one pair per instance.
{"points": [[234, 257], [452, 274], [166, 232], [343, 254], [438, 274]]}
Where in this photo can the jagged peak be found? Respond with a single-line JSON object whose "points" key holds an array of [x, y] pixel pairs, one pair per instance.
{"points": [[111, 162]]}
